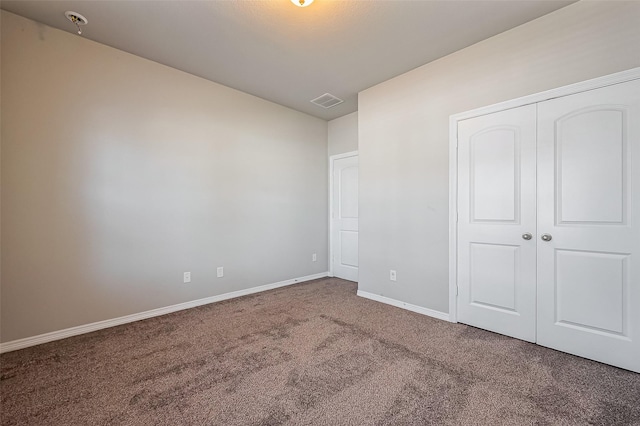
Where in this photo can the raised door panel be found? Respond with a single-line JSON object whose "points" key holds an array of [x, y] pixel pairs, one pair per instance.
{"points": [[591, 290], [348, 206], [592, 178], [348, 249], [494, 178], [490, 287]]}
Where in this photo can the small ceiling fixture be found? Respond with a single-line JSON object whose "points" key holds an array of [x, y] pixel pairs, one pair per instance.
{"points": [[77, 19], [327, 101], [302, 3]]}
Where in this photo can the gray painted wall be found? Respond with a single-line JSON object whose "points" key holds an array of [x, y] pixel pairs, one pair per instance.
{"points": [[404, 135], [119, 174], [343, 134]]}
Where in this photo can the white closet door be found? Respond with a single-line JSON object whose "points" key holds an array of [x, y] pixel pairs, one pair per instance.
{"points": [[496, 208], [589, 205]]}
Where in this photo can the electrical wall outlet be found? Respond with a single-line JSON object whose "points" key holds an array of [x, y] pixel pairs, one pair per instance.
{"points": [[392, 274], [314, 257], [187, 277], [220, 272]]}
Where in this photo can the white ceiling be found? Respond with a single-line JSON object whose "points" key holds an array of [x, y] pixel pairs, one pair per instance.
{"points": [[286, 54]]}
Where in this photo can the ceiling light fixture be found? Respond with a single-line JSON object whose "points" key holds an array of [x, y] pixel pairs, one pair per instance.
{"points": [[77, 19], [302, 3]]}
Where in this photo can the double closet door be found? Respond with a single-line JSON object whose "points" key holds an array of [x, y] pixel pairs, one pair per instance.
{"points": [[549, 223]]}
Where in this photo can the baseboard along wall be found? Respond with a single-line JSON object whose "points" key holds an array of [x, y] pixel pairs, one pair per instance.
{"points": [[95, 326], [408, 306]]}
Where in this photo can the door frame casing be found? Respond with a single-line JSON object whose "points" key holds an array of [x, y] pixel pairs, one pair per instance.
{"points": [[596, 83], [332, 159]]}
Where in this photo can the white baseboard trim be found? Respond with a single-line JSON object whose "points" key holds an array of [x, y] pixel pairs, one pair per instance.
{"points": [[14, 345], [408, 306]]}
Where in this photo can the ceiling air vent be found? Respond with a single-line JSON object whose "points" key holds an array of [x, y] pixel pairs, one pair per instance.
{"points": [[327, 101]]}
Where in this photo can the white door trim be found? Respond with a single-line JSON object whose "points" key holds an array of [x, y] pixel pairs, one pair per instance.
{"points": [[571, 89], [332, 159]]}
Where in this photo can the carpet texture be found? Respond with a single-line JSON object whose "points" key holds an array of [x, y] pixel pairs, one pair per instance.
{"points": [[309, 354]]}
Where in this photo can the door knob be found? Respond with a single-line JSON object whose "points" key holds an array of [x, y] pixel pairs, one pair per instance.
{"points": [[527, 236], [546, 237]]}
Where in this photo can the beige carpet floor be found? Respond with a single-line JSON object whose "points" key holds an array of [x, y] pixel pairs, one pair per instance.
{"points": [[309, 354]]}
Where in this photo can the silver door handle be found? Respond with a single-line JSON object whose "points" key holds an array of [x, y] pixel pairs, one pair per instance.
{"points": [[546, 237], [527, 236]]}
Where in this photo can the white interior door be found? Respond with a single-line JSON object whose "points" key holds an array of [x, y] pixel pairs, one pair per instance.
{"points": [[589, 205], [496, 212], [344, 218]]}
